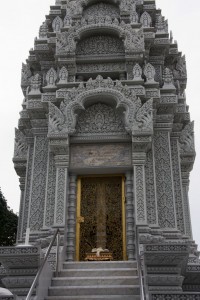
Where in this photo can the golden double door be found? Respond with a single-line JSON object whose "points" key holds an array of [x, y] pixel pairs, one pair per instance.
{"points": [[100, 220]]}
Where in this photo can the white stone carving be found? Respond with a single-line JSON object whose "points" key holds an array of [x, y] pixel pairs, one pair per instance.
{"points": [[43, 30], [51, 78], [35, 85], [145, 19], [168, 79], [63, 75], [57, 24], [149, 72], [21, 146], [187, 139], [137, 72]]}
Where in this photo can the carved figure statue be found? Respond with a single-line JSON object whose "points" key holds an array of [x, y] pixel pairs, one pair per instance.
{"points": [[146, 19], [51, 77], [35, 85], [168, 79], [57, 24], [137, 72], [63, 75], [149, 72]]}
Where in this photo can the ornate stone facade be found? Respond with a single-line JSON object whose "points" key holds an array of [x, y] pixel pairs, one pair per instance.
{"points": [[103, 92]]}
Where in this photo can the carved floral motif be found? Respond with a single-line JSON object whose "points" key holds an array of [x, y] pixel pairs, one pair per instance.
{"points": [[57, 24]]}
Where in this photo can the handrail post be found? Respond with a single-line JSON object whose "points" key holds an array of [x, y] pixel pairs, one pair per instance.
{"points": [[139, 265]]}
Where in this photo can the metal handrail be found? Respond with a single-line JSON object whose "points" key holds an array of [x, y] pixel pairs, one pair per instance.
{"points": [[56, 235], [139, 266]]}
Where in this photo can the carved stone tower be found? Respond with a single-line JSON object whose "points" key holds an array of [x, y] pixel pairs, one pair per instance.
{"points": [[104, 149]]}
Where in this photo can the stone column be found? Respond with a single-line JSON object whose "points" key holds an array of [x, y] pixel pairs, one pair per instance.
{"points": [[61, 163], [186, 206], [71, 219], [130, 235], [164, 174]]}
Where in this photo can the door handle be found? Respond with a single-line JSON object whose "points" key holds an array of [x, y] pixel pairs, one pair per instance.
{"points": [[80, 219]]}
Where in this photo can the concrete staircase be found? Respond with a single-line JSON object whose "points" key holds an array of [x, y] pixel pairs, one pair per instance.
{"points": [[96, 281]]}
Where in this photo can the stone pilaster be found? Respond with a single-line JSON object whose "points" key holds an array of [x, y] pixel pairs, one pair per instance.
{"points": [[164, 174], [38, 181], [27, 192], [50, 192], [151, 193], [139, 159], [130, 237], [176, 167], [71, 220], [61, 162], [22, 181], [186, 206]]}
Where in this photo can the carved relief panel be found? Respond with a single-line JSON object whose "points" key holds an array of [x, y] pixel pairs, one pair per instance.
{"points": [[101, 9]]}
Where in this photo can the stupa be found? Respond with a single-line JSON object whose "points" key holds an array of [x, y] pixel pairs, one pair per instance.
{"points": [[103, 150]]}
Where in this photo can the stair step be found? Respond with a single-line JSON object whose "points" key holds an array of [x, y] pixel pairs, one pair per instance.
{"points": [[94, 297], [98, 272], [94, 290], [100, 265], [89, 281]]}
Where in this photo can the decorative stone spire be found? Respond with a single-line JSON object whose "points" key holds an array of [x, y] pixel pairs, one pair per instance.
{"points": [[43, 30]]}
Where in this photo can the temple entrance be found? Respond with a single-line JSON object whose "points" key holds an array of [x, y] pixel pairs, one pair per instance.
{"points": [[100, 217]]}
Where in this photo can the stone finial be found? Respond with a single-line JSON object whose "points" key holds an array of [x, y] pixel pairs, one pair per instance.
{"points": [[145, 19], [35, 85], [43, 30], [149, 72], [51, 77], [57, 24], [137, 72], [63, 75], [161, 24], [168, 79]]}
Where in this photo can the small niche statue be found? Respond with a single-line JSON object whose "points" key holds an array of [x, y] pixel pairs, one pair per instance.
{"points": [[57, 24], [51, 78], [168, 79], [137, 72], [146, 19], [149, 72], [35, 85], [63, 75]]}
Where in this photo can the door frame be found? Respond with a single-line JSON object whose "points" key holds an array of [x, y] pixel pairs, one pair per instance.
{"points": [[79, 218]]}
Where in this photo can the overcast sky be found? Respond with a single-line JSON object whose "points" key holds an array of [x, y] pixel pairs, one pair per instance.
{"points": [[19, 24]]}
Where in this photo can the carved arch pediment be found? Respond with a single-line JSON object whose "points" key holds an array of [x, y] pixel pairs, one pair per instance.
{"points": [[133, 39], [137, 117]]}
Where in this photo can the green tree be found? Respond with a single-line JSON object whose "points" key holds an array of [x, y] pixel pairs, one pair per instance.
{"points": [[8, 223]]}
